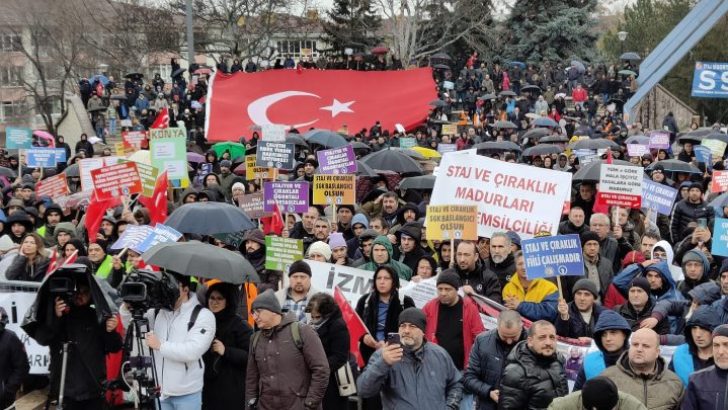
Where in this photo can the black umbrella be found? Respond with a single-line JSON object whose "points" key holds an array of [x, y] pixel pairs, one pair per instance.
{"points": [[488, 97], [638, 139], [502, 125], [178, 71], [690, 137], [594, 144], [7, 173], [119, 97], [72, 171], [438, 103], [536, 133], [418, 182], [96, 109], [507, 93], [630, 56], [531, 88], [209, 218], [542, 149], [360, 145], [675, 165], [134, 75], [717, 136], [591, 171], [195, 258], [550, 139], [410, 153], [441, 66], [365, 170], [392, 160], [326, 138], [296, 140], [491, 146], [440, 56]]}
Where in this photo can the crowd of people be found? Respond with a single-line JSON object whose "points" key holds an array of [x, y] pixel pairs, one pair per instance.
{"points": [[650, 280]]}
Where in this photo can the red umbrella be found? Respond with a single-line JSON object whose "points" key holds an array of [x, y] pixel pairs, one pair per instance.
{"points": [[380, 50], [46, 136]]}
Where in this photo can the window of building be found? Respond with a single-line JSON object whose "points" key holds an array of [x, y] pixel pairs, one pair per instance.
{"points": [[10, 110], [10, 76], [10, 42], [297, 48]]}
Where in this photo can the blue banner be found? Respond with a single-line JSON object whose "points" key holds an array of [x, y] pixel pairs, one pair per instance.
{"points": [[710, 80], [704, 154], [160, 234], [133, 236], [61, 155], [40, 157], [552, 256], [720, 237], [18, 138], [658, 196]]}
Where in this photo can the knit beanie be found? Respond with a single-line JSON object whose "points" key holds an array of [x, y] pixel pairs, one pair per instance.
{"points": [[723, 266], [299, 267], [321, 248], [691, 257], [238, 185], [585, 284], [588, 236], [600, 393], [336, 240], [449, 277], [721, 330], [413, 316], [268, 301], [641, 283], [515, 238]]}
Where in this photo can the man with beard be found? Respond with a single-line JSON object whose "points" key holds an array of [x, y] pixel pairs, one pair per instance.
{"points": [[390, 207], [489, 352], [410, 250], [501, 258], [534, 373], [295, 297], [322, 229], [304, 228], [52, 216], [473, 274], [253, 249]]}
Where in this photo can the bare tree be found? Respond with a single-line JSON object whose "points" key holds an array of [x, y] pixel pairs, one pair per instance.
{"points": [[418, 28]]}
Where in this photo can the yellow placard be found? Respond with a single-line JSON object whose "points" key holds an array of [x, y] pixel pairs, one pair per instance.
{"points": [[253, 172], [334, 189], [717, 147], [450, 129], [445, 222]]}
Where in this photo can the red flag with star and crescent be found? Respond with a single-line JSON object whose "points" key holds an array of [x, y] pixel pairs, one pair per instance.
{"points": [[327, 99]]}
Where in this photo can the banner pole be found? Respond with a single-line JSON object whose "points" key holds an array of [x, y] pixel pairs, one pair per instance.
{"points": [[452, 249], [558, 282], [333, 211]]}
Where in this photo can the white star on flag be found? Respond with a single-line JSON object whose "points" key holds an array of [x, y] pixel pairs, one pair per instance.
{"points": [[338, 107]]}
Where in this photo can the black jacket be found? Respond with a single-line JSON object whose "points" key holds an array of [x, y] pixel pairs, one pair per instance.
{"points": [[575, 327], [367, 307], [504, 270], [686, 212], [483, 281], [706, 390], [531, 381], [567, 228], [13, 366], [335, 338], [20, 269], [634, 318], [485, 367], [89, 344], [225, 375]]}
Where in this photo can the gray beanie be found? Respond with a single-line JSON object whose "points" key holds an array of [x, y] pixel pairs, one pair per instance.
{"points": [[414, 316], [585, 284], [268, 301]]}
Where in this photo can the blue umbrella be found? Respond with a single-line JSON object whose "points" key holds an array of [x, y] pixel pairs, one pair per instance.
{"points": [[545, 122], [520, 64], [104, 80]]}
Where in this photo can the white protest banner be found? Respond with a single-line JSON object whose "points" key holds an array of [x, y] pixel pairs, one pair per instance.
{"points": [[133, 236], [620, 185], [16, 304], [637, 150], [510, 197], [354, 283], [421, 292], [85, 166], [273, 132]]}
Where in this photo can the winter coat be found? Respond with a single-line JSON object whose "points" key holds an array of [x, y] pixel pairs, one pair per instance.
{"points": [[531, 381], [485, 367], [686, 285], [705, 293], [403, 271], [472, 324], [575, 327], [90, 342], [539, 302], [483, 281], [595, 362], [367, 308], [661, 391], [335, 339], [280, 375], [20, 269], [685, 212], [567, 228], [13, 366], [225, 375], [573, 402], [706, 390], [614, 250], [685, 360], [606, 273], [635, 318], [424, 380], [503, 270]]}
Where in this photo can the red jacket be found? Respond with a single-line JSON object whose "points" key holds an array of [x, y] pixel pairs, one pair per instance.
{"points": [[579, 95], [472, 325]]}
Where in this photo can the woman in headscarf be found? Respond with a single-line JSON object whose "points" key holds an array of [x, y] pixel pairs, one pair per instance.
{"points": [[227, 359]]}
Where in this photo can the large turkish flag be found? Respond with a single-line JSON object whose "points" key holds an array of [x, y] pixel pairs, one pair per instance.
{"points": [[325, 99]]}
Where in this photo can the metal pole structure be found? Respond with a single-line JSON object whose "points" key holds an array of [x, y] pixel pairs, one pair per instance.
{"points": [[190, 34]]}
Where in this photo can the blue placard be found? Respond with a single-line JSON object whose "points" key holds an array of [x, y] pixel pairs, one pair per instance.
{"points": [[704, 154], [18, 138], [61, 155], [720, 237], [710, 80], [40, 157], [658, 196], [552, 256]]}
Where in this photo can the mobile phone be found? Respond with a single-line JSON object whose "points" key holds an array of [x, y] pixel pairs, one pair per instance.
{"points": [[393, 338], [702, 223]]}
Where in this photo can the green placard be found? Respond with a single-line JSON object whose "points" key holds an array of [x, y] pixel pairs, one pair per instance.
{"points": [[407, 142], [168, 149], [149, 175], [281, 252]]}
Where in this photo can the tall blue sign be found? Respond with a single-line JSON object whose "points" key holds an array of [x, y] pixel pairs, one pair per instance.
{"points": [[710, 80]]}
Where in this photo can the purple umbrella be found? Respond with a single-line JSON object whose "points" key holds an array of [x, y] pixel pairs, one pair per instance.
{"points": [[195, 157]]}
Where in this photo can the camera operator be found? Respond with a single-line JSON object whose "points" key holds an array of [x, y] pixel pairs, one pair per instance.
{"points": [[178, 339], [75, 322]]}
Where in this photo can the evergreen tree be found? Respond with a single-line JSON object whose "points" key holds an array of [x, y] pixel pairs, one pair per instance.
{"points": [[550, 29], [352, 24]]}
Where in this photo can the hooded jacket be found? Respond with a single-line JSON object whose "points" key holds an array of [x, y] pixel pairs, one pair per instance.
{"points": [[661, 391], [706, 390], [685, 359], [414, 231], [687, 284], [403, 271], [539, 302], [531, 381], [635, 318], [574, 402], [669, 290], [13, 366], [595, 362]]}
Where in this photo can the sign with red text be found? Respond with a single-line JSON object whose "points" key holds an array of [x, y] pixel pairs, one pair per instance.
{"points": [[510, 197], [134, 139], [620, 185], [117, 180], [719, 183], [52, 187]]}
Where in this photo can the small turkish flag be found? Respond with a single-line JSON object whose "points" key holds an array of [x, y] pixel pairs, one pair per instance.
{"points": [[162, 120], [354, 324], [325, 99]]}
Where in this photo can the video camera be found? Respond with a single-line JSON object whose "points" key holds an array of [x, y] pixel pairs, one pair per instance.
{"points": [[146, 289], [63, 287]]}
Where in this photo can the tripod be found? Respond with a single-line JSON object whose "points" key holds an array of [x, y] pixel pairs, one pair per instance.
{"points": [[145, 388]]}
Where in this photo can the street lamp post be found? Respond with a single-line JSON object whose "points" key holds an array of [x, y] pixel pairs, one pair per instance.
{"points": [[622, 35]]}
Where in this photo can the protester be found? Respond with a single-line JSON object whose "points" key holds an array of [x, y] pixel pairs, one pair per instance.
{"points": [[599, 393], [707, 388], [697, 351], [578, 318], [534, 299], [475, 277], [13, 362], [381, 254], [611, 337], [296, 296], [31, 263]]}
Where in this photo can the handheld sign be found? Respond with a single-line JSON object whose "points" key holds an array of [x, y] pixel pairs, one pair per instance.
{"points": [[273, 132], [18, 138], [133, 236], [720, 237], [717, 147], [253, 172], [445, 222], [637, 150], [552, 256], [133, 139], [40, 157], [445, 148], [620, 185], [719, 183], [334, 189], [253, 205], [168, 149], [275, 155], [407, 142], [659, 140], [148, 175], [117, 180], [705, 155], [282, 252], [52, 187], [449, 129], [658, 196], [161, 234], [291, 196], [340, 160]]}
